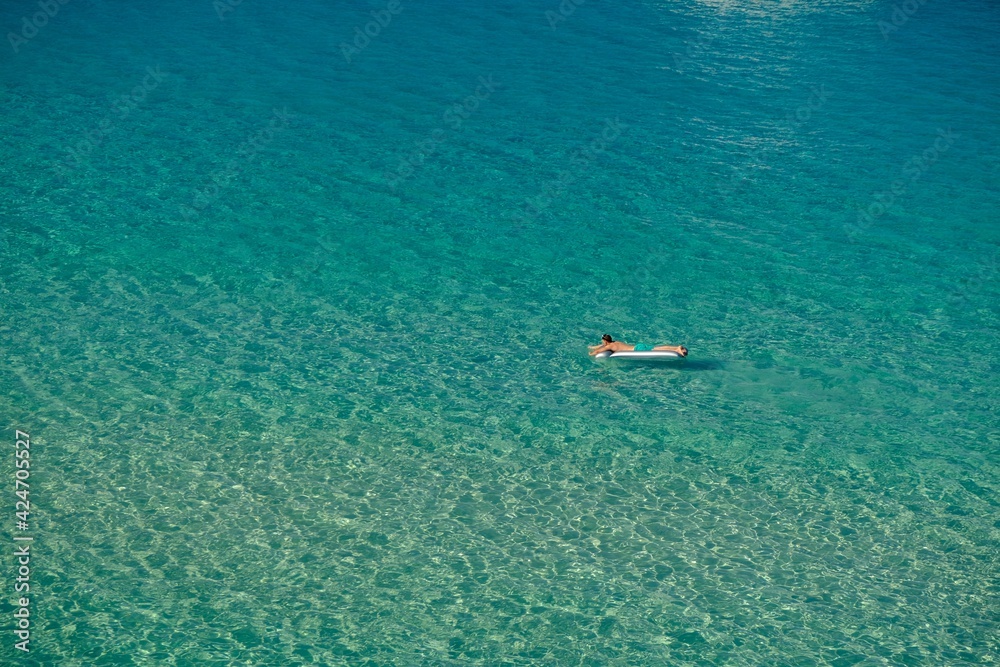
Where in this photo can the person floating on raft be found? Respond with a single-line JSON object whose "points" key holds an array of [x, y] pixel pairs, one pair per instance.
{"points": [[612, 345]]}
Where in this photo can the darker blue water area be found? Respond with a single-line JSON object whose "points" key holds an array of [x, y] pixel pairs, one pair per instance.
{"points": [[298, 301]]}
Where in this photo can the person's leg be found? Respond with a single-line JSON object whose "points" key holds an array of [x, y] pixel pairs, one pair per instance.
{"points": [[670, 348]]}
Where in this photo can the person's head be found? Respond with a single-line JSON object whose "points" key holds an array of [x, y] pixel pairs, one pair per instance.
{"points": [[607, 338], [684, 351]]}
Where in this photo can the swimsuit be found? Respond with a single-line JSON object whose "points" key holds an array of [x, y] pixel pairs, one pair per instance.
{"points": [[643, 347]]}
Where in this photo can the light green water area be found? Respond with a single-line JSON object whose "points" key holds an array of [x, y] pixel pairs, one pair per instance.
{"points": [[301, 344]]}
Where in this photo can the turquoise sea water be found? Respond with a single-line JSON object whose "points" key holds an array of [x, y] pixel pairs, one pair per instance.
{"points": [[301, 346]]}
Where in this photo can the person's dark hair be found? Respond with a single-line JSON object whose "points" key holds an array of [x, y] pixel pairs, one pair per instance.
{"points": [[607, 338], [684, 351]]}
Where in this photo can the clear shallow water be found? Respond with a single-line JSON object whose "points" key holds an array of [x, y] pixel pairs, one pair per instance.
{"points": [[330, 414]]}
